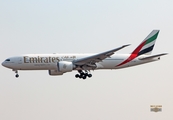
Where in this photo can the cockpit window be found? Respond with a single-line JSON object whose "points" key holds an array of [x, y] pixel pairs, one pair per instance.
{"points": [[7, 60]]}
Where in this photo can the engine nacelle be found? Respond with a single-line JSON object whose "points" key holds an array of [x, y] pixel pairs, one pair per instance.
{"points": [[62, 67], [55, 72], [65, 66]]}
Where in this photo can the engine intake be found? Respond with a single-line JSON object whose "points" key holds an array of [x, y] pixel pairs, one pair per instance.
{"points": [[65, 66], [62, 67]]}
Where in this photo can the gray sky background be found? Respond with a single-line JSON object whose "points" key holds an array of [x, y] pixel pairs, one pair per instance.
{"points": [[85, 26]]}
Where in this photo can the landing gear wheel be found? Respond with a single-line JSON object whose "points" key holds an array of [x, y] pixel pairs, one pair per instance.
{"points": [[83, 74], [80, 77], [89, 75], [77, 75], [16, 75], [86, 74]]}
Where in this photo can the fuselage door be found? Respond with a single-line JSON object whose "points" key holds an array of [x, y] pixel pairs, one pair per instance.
{"points": [[19, 59]]}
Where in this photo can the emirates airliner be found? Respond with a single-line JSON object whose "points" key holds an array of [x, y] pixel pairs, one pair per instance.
{"points": [[58, 64]]}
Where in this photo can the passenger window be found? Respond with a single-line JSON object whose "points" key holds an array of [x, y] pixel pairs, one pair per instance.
{"points": [[7, 60]]}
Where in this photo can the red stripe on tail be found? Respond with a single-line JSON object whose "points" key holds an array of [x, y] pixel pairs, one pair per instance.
{"points": [[134, 54]]}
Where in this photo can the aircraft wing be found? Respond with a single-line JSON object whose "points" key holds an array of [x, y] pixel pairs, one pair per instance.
{"points": [[98, 57]]}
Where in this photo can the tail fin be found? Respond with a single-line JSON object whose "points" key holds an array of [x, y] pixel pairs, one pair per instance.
{"points": [[147, 44]]}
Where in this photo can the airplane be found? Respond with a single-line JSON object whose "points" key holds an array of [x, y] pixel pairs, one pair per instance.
{"points": [[58, 64]]}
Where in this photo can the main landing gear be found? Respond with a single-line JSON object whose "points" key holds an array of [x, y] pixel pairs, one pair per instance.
{"points": [[83, 75], [17, 75]]}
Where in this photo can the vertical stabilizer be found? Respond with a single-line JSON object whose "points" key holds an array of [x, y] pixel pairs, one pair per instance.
{"points": [[147, 44], [145, 47]]}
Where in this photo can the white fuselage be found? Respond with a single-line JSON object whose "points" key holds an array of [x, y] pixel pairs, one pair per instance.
{"points": [[58, 64], [49, 61]]}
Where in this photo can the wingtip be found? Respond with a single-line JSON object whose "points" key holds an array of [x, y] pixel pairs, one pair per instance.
{"points": [[126, 45], [164, 53]]}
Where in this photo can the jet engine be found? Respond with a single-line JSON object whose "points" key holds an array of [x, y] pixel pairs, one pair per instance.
{"points": [[62, 67], [55, 72], [65, 66]]}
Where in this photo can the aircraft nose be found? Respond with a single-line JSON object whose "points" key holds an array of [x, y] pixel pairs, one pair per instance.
{"points": [[3, 64]]}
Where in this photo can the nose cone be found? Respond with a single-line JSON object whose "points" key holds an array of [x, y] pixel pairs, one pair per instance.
{"points": [[3, 64]]}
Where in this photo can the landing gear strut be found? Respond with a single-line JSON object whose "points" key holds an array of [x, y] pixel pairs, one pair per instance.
{"points": [[83, 75], [17, 75]]}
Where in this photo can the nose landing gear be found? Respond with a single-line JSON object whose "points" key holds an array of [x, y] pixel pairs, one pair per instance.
{"points": [[17, 75], [83, 75]]}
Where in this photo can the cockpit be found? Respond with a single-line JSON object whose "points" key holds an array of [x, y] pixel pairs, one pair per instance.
{"points": [[7, 60]]}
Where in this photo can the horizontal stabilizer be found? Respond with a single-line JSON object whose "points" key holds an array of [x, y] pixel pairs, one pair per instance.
{"points": [[153, 56]]}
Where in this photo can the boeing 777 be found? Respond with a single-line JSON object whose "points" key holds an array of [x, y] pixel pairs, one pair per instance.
{"points": [[58, 64]]}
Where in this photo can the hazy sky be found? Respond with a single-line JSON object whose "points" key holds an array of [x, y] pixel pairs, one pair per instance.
{"points": [[85, 26]]}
